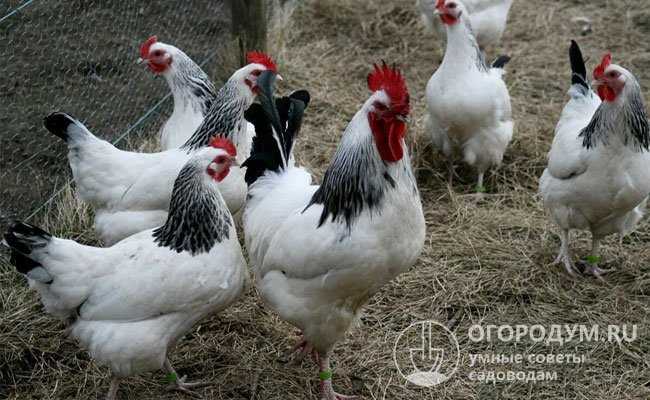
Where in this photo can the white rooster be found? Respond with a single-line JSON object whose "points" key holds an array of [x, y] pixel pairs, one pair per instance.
{"points": [[320, 252], [192, 90], [469, 112], [132, 302], [597, 175], [488, 18], [130, 191]]}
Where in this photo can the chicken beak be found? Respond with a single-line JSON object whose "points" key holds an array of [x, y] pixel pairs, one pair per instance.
{"points": [[279, 77], [234, 162], [141, 60]]}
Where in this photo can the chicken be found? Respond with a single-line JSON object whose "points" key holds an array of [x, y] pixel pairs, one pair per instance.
{"points": [[597, 173], [487, 17], [130, 303], [320, 252], [130, 191], [469, 111], [192, 89]]}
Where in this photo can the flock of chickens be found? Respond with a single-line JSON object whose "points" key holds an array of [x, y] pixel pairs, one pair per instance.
{"points": [[318, 252]]}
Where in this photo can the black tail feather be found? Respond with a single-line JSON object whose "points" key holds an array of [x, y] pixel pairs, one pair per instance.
{"points": [[23, 263], [22, 238], [578, 68], [277, 122], [57, 123], [501, 61]]}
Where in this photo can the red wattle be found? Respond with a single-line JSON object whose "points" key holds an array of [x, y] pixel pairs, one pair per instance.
{"points": [[388, 134], [448, 19], [606, 93], [157, 68]]}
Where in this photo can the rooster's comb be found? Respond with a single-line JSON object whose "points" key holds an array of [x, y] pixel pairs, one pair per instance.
{"points": [[440, 4], [222, 143], [144, 48], [391, 81], [257, 57], [599, 71]]}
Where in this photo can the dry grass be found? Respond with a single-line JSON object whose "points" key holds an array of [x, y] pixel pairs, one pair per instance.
{"points": [[488, 263]]}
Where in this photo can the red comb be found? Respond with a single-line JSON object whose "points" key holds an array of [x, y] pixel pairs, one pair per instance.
{"points": [[390, 80], [440, 4], [144, 48], [222, 143], [257, 57], [599, 71]]}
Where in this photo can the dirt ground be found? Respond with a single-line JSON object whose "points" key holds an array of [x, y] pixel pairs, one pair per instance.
{"points": [[486, 263]]}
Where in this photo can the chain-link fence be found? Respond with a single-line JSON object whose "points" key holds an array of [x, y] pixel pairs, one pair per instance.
{"points": [[79, 56]]}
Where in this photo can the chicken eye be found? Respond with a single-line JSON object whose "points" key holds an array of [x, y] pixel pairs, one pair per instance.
{"points": [[613, 74], [157, 53], [451, 5], [380, 107], [257, 72], [220, 159]]}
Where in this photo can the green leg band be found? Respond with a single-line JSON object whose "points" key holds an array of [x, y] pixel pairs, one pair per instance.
{"points": [[171, 378], [325, 375], [593, 259], [480, 189]]}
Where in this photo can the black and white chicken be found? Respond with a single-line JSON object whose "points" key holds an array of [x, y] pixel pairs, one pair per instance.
{"points": [[320, 252], [597, 174], [130, 303]]}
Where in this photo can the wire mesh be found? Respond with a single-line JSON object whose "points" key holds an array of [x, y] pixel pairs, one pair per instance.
{"points": [[78, 56]]}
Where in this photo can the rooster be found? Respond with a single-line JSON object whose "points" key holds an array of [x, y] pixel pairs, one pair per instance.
{"points": [[320, 252], [130, 303], [131, 191], [597, 173], [468, 101], [192, 89], [488, 18]]}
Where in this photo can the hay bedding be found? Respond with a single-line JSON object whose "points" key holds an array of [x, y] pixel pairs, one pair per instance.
{"points": [[485, 263]]}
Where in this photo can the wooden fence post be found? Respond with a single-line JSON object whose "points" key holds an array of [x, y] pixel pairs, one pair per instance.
{"points": [[249, 25]]}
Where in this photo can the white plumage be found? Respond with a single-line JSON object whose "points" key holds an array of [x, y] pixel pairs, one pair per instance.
{"points": [[193, 93], [597, 173], [469, 112], [130, 191], [191, 88], [131, 302], [318, 267], [488, 19]]}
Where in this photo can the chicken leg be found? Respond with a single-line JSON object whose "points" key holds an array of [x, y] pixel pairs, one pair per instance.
{"points": [[112, 389], [565, 254], [179, 384], [591, 263], [326, 388], [304, 348]]}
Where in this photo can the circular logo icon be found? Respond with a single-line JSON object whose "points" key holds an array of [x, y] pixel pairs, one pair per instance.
{"points": [[426, 353]]}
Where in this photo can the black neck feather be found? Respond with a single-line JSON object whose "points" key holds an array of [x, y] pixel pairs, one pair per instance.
{"points": [[224, 118], [629, 115], [193, 82], [198, 217], [357, 180]]}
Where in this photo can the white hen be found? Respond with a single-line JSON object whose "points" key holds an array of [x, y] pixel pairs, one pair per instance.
{"points": [[320, 252], [597, 175], [130, 191], [468, 102], [488, 18], [192, 90], [132, 302]]}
